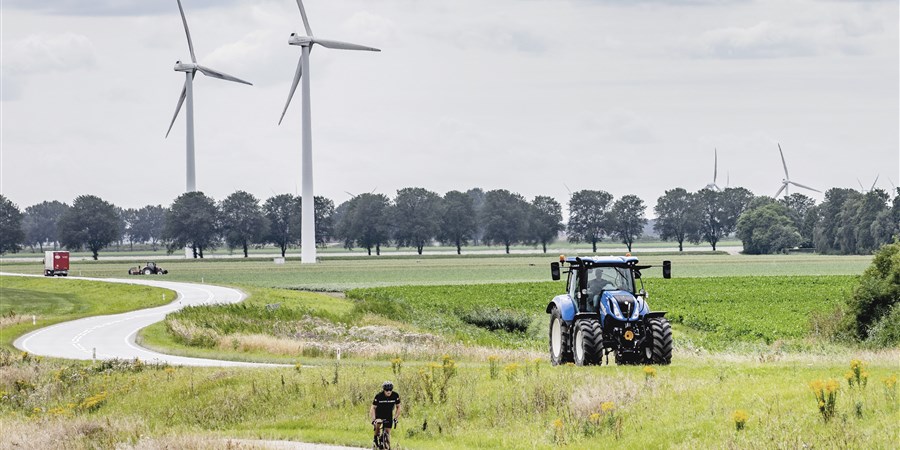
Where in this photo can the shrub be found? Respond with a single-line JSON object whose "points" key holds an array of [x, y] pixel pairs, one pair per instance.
{"points": [[494, 319], [872, 311]]}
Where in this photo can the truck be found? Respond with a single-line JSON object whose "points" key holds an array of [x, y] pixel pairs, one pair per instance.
{"points": [[604, 312], [56, 263]]}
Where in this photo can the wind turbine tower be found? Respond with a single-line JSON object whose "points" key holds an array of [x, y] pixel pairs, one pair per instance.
{"points": [[307, 219], [713, 186], [187, 94]]}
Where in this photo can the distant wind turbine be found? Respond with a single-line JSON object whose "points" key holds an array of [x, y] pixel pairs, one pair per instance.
{"points": [[863, 189], [787, 178], [308, 221], [713, 186], [187, 93]]}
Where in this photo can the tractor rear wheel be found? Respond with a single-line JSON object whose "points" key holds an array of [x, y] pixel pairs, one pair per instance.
{"points": [[661, 345], [588, 347], [560, 339], [147, 271]]}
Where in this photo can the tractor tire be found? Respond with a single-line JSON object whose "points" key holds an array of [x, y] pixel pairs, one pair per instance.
{"points": [[661, 345], [560, 339], [147, 271], [588, 345]]}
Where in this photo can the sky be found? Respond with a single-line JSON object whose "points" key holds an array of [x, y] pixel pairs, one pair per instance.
{"points": [[540, 97]]}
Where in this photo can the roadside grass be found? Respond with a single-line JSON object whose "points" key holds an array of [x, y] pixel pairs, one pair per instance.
{"points": [[54, 300], [530, 405], [343, 274]]}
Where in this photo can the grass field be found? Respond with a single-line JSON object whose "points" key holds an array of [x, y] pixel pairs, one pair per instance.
{"points": [[744, 341]]}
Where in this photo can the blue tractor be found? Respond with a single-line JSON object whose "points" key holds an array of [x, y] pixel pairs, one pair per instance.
{"points": [[604, 312]]}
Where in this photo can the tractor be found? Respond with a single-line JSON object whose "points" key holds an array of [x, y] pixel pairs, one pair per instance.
{"points": [[150, 269], [604, 312]]}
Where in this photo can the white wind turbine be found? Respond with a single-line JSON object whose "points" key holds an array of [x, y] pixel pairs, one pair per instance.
{"points": [[863, 189], [187, 93], [713, 186], [787, 179], [307, 220]]}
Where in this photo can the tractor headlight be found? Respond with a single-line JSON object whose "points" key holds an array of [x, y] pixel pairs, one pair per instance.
{"points": [[638, 306], [617, 312]]}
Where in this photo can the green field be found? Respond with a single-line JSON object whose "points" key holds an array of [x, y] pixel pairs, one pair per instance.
{"points": [[746, 329]]}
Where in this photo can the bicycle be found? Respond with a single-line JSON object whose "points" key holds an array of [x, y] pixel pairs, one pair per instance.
{"points": [[383, 438]]}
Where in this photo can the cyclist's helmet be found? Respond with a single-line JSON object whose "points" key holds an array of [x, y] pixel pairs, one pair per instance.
{"points": [[387, 386]]}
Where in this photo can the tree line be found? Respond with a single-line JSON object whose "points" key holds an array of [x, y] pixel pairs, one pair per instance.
{"points": [[846, 222]]}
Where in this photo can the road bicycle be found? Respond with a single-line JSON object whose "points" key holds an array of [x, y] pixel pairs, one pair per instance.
{"points": [[382, 438]]}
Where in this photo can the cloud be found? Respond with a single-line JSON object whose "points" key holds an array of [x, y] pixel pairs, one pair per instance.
{"points": [[108, 7], [43, 53], [621, 126]]}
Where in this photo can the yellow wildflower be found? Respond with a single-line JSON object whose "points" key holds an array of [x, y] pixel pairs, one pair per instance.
{"points": [[606, 407]]}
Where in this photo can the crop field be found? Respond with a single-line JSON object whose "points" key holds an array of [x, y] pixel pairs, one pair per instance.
{"points": [[339, 274], [748, 353]]}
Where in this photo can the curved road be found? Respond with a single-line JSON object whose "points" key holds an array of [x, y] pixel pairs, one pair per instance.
{"points": [[113, 336]]}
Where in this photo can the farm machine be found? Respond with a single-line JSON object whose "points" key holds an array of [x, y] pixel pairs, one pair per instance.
{"points": [[603, 312], [150, 269]]}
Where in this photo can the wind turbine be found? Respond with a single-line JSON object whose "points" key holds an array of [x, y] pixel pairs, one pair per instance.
{"points": [[787, 179], [863, 189], [307, 220], [187, 93], [713, 186]]}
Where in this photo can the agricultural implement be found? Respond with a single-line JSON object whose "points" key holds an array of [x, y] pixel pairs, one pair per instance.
{"points": [[604, 313], [150, 269]]}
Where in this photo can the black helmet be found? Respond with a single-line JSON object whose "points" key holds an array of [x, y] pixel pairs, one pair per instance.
{"points": [[387, 386]]}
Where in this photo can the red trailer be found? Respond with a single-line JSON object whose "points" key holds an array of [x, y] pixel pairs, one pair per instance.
{"points": [[56, 264]]}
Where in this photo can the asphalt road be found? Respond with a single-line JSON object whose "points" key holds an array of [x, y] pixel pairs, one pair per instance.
{"points": [[113, 336]]}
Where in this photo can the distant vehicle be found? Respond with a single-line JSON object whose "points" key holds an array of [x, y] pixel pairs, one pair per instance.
{"points": [[56, 263], [150, 269]]}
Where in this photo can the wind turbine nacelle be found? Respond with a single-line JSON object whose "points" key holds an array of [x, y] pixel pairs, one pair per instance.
{"points": [[185, 67], [304, 41]]}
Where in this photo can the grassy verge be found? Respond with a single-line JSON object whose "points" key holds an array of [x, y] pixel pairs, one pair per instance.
{"points": [[54, 300], [523, 404]]}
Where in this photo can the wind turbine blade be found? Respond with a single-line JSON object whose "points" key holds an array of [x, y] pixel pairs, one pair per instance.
{"points": [[804, 187], [715, 165], [297, 76], [305, 20], [220, 75], [786, 176], [343, 45], [779, 191], [873, 183], [178, 108], [188, 32], [861, 188]]}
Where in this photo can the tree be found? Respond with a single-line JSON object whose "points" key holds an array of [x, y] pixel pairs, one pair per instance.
{"points": [[283, 216], [673, 216], [147, 225], [802, 211], [766, 228], [505, 215], [545, 222], [416, 213], [627, 219], [324, 220], [830, 234], [242, 221], [40, 223], [91, 223], [366, 222], [867, 211], [706, 207], [734, 202], [11, 233], [456, 220], [477, 196], [588, 219], [191, 222], [872, 311]]}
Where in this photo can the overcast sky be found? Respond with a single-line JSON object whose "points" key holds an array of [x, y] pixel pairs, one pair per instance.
{"points": [[534, 96]]}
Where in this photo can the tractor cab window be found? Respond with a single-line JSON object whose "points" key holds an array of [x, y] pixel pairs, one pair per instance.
{"points": [[609, 279]]}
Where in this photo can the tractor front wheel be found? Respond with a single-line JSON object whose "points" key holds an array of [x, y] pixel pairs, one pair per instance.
{"points": [[560, 339], [588, 342], [660, 348]]}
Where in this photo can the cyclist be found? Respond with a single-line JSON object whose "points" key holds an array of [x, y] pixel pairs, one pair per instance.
{"points": [[386, 407]]}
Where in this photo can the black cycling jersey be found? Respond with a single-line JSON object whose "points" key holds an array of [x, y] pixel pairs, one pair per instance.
{"points": [[384, 405]]}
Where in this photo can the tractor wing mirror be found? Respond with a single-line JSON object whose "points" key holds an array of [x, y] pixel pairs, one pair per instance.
{"points": [[667, 269], [554, 271]]}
